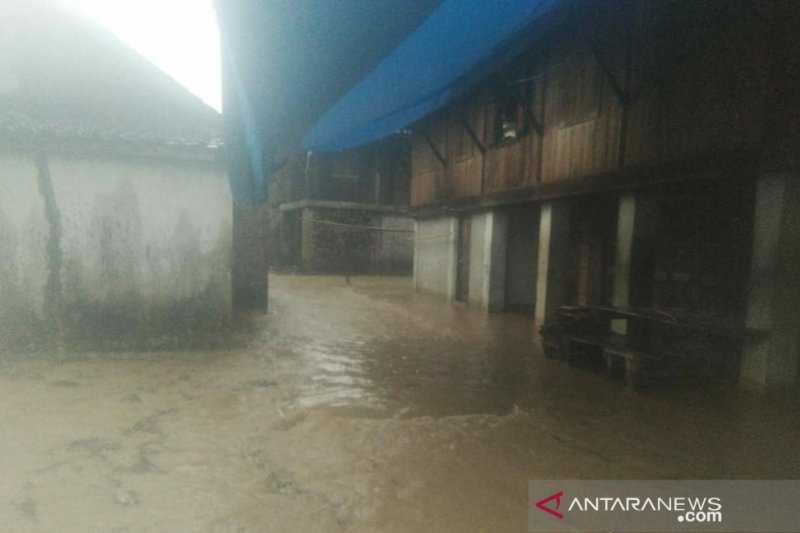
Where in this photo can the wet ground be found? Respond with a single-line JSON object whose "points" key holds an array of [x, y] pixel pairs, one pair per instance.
{"points": [[363, 408]]}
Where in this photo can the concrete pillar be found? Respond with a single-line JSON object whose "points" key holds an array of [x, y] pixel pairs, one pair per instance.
{"points": [[488, 260], [554, 220], [415, 256], [773, 300], [250, 258], [636, 217], [307, 239], [415, 259], [451, 262], [626, 221]]}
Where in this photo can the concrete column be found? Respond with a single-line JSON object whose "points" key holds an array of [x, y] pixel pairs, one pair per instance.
{"points": [[636, 218], [773, 303], [415, 257], [626, 221], [250, 258], [554, 220], [307, 239], [451, 257], [488, 261]]}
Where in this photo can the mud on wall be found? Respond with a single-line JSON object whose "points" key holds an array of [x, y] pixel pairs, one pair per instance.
{"points": [[124, 252]]}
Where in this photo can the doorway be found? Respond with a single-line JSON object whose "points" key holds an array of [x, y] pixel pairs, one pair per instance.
{"points": [[593, 232]]}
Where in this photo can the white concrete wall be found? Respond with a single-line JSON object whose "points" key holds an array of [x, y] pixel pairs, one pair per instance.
{"points": [[487, 267], [23, 237], [145, 246], [435, 247], [435, 258]]}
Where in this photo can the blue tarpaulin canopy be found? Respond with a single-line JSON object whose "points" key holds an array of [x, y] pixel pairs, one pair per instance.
{"points": [[321, 75], [457, 46]]}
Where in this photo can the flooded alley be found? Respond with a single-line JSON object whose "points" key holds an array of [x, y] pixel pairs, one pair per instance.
{"points": [[399, 266], [365, 407]]}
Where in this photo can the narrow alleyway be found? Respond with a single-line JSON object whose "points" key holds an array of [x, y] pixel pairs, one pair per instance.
{"points": [[364, 408]]}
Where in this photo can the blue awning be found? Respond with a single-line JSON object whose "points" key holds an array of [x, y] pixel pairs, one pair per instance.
{"points": [[326, 76], [456, 47]]}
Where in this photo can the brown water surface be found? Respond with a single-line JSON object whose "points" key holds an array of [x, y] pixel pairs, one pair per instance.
{"points": [[363, 407]]}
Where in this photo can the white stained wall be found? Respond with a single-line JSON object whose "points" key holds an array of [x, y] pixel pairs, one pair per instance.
{"points": [[137, 235], [23, 238]]}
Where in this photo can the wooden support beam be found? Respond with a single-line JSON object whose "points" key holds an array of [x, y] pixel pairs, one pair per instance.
{"points": [[532, 120], [442, 159], [472, 134]]}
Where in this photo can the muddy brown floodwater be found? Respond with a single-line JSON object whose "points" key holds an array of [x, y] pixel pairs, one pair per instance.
{"points": [[364, 408]]}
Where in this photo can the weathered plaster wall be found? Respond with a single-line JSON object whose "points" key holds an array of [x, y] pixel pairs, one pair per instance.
{"points": [[435, 256], [144, 251], [23, 237]]}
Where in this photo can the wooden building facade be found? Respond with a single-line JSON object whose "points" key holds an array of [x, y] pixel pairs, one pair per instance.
{"points": [[641, 153], [345, 212]]}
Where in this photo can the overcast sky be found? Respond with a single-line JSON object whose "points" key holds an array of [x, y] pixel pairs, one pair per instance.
{"points": [[179, 36]]}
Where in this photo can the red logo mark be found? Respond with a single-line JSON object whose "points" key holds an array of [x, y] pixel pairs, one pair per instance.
{"points": [[542, 504]]}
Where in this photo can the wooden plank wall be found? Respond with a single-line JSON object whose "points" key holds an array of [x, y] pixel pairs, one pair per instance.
{"points": [[609, 95]]}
